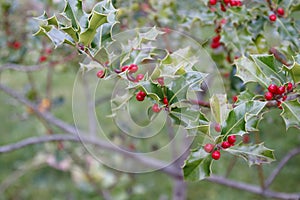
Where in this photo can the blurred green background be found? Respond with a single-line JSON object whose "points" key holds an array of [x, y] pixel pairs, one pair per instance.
{"points": [[46, 171]]}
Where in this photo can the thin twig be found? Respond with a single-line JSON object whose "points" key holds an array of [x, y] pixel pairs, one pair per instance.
{"points": [[156, 164], [200, 103], [253, 188], [291, 97], [21, 68], [279, 167]]}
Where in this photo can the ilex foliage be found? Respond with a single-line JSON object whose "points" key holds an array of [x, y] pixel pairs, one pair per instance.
{"points": [[262, 51]]}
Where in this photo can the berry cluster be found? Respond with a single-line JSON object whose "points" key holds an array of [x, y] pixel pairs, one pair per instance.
{"points": [[280, 12], [225, 3], [278, 93], [215, 149], [140, 95], [131, 69]]}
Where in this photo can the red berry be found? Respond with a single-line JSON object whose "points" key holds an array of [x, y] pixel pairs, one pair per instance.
{"points": [[212, 2], [16, 45], [216, 39], [215, 45], [124, 68], [234, 99], [133, 68], [165, 101], [42, 58], [142, 93], [139, 97], [280, 11], [156, 108], [209, 147], [272, 17], [161, 81], [239, 3], [231, 139], [100, 74], [216, 155], [226, 1], [139, 77], [268, 96], [273, 88], [289, 87], [226, 144], [218, 127], [233, 3], [281, 90]]}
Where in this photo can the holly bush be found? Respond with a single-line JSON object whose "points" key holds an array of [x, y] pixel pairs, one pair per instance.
{"points": [[209, 69], [257, 42]]}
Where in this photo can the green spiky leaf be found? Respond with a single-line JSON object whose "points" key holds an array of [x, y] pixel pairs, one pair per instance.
{"points": [[197, 166], [253, 154]]}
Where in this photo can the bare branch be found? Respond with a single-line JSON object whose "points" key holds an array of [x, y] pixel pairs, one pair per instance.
{"points": [[279, 167], [253, 189], [170, 170], [200, 103], [289, 98], [22, 68], [156, 164]]}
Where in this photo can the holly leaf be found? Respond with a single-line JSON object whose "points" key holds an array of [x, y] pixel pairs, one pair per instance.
{"points": [[192, 120], [197, 166], [291, 113], [236, 38], [253, 154], [219, 107], [295, 71], [86, 67], [246, 95], [249, 71], [236, 122], [101, 56], [270, 67], [73, 11], [56, 36], [181, 85], [96, 19], [151, 35]]}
